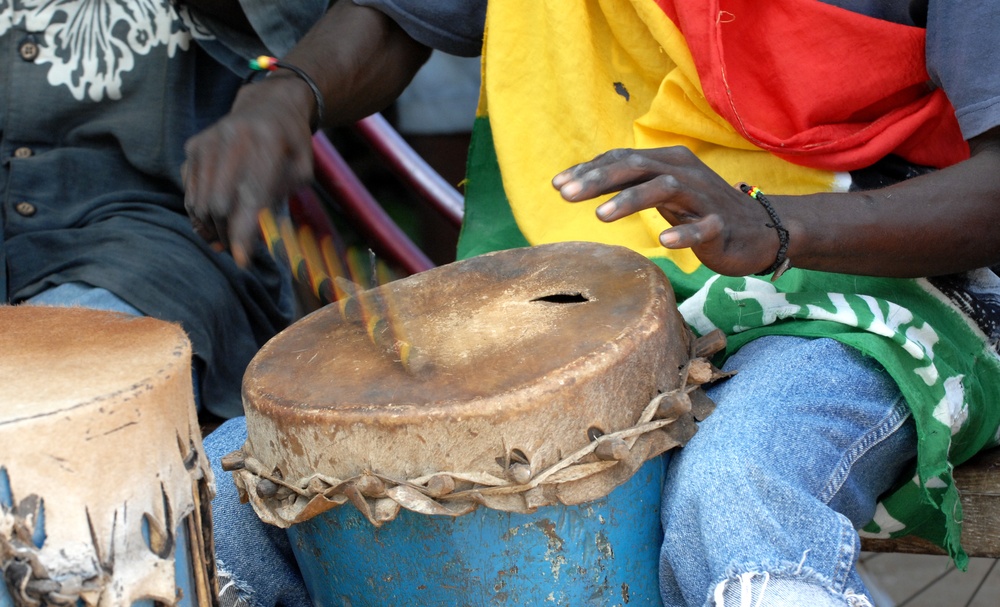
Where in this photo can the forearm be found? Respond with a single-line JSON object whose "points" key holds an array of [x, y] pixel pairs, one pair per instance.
{"points": [[360, 60], [939, 223], [260, 152]]}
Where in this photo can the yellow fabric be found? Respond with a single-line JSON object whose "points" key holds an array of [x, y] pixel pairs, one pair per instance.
{"points": [[549, 79]]}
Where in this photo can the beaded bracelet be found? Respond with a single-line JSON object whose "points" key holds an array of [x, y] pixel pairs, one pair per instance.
{"points": [[270, 64], [781, 262]]}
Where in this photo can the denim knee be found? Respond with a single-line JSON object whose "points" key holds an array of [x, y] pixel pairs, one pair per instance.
{"points": [[781, 584], [804, 439]]}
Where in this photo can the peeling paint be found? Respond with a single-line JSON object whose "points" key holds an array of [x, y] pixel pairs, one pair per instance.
{"points": [[604, 545]]}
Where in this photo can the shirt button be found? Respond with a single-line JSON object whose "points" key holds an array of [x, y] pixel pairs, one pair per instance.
{"points": [[23, 152], [25, 208], [28, 50]]}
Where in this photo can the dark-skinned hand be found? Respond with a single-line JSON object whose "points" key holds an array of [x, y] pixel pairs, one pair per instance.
{"points": [[724, 227], [251, 159]]}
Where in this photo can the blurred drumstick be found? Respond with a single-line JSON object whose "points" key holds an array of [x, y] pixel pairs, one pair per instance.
{"points": [[295, 259], [272, 238], [316, 265], [319, 275]]}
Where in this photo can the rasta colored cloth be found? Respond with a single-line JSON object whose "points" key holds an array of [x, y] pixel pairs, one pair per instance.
{"points": [[564, 82]]}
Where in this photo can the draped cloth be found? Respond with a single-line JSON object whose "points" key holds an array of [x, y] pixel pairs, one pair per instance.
{"points": [[789, 96]]}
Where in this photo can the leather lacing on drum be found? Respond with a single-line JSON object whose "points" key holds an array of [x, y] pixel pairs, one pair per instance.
{"points": [[589, 473]]}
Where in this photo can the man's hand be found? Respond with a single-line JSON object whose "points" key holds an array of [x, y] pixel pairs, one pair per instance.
{"points": [[252, 159], [938, 223], [724, 227], [261, 152]]}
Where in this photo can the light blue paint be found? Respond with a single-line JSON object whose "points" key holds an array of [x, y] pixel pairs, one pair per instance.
{"points": [[601, 553], [6, 497], [183, 569], [38, 533]]}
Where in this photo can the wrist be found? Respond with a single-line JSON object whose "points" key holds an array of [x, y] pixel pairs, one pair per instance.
{"points": [[294, 79], [781, 261]]}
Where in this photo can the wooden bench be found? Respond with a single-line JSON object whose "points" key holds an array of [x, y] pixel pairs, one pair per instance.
{"points": [[978, 481]]}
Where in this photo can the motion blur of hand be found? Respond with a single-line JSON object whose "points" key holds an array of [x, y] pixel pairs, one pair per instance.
{"points": [[251, 159]]}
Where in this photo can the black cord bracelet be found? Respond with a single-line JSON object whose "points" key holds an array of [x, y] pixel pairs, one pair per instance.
{"points": [[781, 262], [270, 64]]}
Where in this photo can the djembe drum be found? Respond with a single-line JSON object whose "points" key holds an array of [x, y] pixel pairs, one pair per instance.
{"points": [[494, 423], [104, 486]]}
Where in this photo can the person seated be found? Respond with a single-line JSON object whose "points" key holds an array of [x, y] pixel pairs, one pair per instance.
{"points": [[855, 289], [101, 101]]}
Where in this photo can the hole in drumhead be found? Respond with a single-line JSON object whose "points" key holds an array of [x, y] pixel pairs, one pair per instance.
{"points": [[563, 298]]}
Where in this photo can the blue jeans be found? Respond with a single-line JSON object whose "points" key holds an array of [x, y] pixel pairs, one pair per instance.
{"points": [[759, 508], [83, 295], [255, 562]]}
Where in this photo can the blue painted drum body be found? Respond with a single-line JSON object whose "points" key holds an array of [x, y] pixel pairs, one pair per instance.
{"points": [[603, 552]]}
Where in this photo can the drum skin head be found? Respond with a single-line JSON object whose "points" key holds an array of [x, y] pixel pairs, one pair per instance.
{"points": [[523, 356]]}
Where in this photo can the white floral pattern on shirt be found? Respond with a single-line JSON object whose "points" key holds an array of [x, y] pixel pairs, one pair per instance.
{"points": [[91, 43]]}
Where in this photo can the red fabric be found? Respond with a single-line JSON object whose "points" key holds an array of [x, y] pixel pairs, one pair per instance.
{"points": [[818, 85]]}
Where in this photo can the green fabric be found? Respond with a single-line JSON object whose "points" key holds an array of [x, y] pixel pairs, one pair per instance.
{"points": [[948, 374], [488, 224]]}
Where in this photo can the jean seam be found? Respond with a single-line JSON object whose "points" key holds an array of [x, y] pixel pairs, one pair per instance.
{"points": [[846, 554], [885, 428]]}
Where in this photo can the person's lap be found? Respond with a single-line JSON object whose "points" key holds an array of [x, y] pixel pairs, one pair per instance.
{"points": [[806, 436], [255, 560]]}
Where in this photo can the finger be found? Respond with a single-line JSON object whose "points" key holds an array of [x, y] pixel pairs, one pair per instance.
{"points": [[201, 221], [243, 224], [689, 235], [205, 232], [607, 173], [667, 192], [579, 172], [197, 171], [228, 168], [239, 188], [619, 169], [253, 193]]}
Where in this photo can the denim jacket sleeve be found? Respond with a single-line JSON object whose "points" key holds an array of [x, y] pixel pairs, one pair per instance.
{"points": [[277, 27]]}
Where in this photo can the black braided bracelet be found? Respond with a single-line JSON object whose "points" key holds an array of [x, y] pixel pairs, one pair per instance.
{"points": [[781, 262], [270, 64]]}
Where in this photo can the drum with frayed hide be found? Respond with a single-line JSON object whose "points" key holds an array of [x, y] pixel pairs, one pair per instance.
{"points": [[104, 486]]}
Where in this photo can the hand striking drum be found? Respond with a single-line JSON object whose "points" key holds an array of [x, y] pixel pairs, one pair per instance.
{"points": [[524, 381]]}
